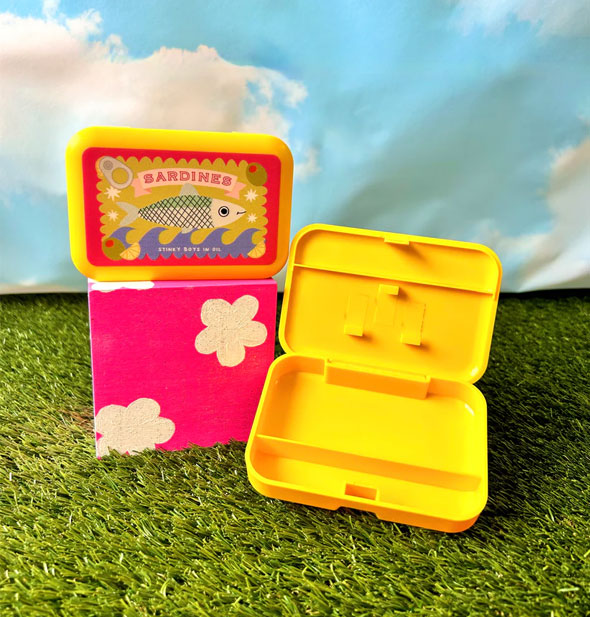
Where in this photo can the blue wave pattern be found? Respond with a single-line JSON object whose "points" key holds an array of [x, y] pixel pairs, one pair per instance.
{"points": [[181, 246]]}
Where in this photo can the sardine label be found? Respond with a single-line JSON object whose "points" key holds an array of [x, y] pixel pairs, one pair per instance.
{"points": [[175, 208]]}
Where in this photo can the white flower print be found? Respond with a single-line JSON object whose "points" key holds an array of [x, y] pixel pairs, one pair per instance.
{"points": [[107, 287], [132, 429], [229, 329]]}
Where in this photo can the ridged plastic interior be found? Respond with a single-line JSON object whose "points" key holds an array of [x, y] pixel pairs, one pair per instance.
{"points": [[427, 454], [422, 308], [373, 406]]}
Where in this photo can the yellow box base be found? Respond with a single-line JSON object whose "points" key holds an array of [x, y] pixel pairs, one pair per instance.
{"points": [[323, 448]]}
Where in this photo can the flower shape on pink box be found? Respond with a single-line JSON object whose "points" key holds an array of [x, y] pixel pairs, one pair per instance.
{"points": [[131, 429], [230, 328]]}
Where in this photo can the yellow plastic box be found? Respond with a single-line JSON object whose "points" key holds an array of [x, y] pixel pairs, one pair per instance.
{"points": [[178, 205], [373, 406]]}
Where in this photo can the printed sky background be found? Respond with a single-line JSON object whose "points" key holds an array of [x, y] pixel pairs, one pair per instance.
{"points": [[462, 119]]}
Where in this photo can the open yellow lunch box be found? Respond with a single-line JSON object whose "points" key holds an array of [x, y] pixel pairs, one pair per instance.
{"points": [[373, 406]]}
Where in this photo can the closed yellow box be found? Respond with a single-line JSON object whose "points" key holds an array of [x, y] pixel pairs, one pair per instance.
{"points": [[149, 204], [373, 406]]}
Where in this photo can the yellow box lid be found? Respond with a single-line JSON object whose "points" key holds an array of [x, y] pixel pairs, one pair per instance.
{"points": [[156, 204], [391, 301]]}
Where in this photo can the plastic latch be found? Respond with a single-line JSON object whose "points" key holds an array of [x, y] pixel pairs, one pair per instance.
{"points": [[412, 321], [412, 385], [386, 304], [356, 311], [396, 239]]}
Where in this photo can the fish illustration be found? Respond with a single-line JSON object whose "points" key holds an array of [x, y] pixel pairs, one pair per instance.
{"points": [[189, 210]]}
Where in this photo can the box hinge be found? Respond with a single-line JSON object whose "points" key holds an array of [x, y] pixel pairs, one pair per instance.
{"points": [[399, 383]]}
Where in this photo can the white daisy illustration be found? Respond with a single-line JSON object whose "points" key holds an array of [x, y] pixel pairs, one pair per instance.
{"points": [[112, 192], [229, 329], [131, 429], [251, 195]]}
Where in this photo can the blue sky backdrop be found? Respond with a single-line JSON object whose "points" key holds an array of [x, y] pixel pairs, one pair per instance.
{"points": [[463, 119]]}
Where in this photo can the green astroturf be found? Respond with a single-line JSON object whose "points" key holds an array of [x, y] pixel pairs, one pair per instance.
{"points": [[183, 533]]}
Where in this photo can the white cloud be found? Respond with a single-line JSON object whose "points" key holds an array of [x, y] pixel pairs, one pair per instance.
{"points": [[550, 17], [50, 8], [84, 25], [308, 166], [129, 430], [32, 286], [56, 80], [561, 257]]}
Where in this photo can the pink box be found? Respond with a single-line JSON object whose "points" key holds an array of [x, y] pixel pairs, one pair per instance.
{"points": [[177, 363]]}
